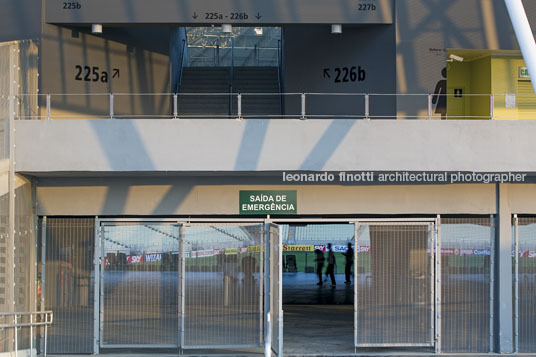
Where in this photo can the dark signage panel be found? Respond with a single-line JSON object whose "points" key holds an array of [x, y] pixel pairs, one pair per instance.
{"points": [[203, 12], [268, 202]]}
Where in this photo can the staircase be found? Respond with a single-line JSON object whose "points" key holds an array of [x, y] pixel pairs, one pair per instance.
{"points": [[217, 79], [258, 80], [204, 80]]}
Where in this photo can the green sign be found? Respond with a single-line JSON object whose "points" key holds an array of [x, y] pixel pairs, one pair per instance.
{"points": [[523, 72], [268, 202]]}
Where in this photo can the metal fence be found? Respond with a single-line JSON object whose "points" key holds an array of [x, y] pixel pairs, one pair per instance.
{"points": [[27, 321], [394, 285], [525, 283], [276, 287], [466, 284], [18, 74], [222, 284], [67, 282], [250, 106], [201, 285], [139, 282]]}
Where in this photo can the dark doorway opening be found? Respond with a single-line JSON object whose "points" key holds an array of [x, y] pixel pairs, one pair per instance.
{"points": [[317, 318]]}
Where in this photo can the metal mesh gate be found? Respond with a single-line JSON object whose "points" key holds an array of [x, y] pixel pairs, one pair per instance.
{"points": [[276, 293], [525, 267], [394, 282], [466, 286], [139, 280], [222, 285], [67, 285]]}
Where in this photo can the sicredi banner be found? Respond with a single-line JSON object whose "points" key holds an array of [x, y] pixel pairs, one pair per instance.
{"points": [[268, 202]]}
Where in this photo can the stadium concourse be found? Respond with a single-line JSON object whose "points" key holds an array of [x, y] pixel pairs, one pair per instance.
{"points": [[173, 174]]}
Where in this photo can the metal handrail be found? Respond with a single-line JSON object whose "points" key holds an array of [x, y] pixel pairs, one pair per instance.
{"points": [[46, 317], [366, 105], [231, 75], [279, 75], [181, 67]]}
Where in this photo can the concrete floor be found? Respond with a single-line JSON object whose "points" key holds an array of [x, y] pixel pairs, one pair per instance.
{"points": [[301, 289], [318, 329], [318, 321]]}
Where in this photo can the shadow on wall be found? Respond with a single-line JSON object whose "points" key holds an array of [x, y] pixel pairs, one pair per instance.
{"points": [[89, 67], [426, 29]]}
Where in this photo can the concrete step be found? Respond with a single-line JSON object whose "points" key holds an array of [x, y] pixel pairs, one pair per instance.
{"points": [[217, 79]]}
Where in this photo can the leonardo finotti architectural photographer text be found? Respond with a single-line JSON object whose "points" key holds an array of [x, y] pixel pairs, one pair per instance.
{"points": [[405, 177]]}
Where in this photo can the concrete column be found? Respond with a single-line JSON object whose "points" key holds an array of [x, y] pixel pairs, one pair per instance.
{"points": [[504, 332]]}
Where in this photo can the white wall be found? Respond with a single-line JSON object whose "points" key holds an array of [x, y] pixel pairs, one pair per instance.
{"points": [[201, 145]]}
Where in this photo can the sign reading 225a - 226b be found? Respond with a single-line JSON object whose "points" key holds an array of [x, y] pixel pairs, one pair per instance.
{"points": [[268, 202]]}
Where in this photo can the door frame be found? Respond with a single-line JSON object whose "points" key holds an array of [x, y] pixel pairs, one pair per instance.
{"points": [[434, 244], [182, 279], [98, 262], [99, 281]]}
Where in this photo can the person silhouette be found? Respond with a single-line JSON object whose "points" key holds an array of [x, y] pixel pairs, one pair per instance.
{"points": [[440, 95], [319, 259], [330, 270], [349, 254]]}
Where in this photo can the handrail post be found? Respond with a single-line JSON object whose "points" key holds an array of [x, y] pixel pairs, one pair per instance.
{"points": [[429, 106], [16, 337], [175, 106], [491, 106], [239, 106], [48, 106], [111, 106], [303, 106], [31, 334], [367, 107], [46, 330]]}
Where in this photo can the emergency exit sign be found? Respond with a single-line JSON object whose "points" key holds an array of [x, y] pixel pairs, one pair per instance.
{"points": [[268, 202]]}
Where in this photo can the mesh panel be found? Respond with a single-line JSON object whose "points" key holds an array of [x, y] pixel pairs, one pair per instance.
{"points": [[527, 284], [6, 263], [28, 63], [465, 284], [139, 285], [209, 47], [275, 290], [17, 268], [5, 267], [68, 286], [25, 250], [394, 285], [222, 287]]}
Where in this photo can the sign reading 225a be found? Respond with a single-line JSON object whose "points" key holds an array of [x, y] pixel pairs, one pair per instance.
{"points": [[93, 74]]}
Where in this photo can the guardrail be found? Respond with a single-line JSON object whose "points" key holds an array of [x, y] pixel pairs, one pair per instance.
{"points": [[36, 319], [269, 106]]}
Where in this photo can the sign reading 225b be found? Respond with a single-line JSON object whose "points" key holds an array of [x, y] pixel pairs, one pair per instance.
{"points": [[268, 202]]}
